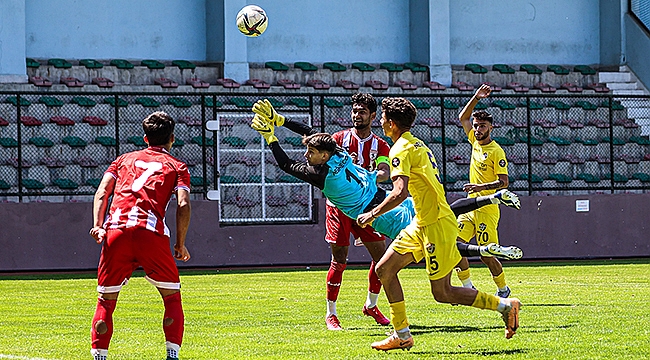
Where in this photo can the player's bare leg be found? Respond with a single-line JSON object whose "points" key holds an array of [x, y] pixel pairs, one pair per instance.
{"points": [[387, 269], [376, 250]]}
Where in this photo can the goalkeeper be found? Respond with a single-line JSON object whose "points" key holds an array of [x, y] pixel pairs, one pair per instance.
{"points": [[353, 189]]}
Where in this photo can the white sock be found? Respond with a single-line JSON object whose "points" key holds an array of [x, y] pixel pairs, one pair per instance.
{"points": [[503, 288], [467, 283], [371, 301], [403, 333], [483, 250], [172, 349], [331, 308], [503, 304], [99, 354]]}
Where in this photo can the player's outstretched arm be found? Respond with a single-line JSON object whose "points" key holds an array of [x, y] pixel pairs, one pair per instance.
{"points": [[100, 204], [500, 183], [466, 114], [183, 214], [264, 109]]}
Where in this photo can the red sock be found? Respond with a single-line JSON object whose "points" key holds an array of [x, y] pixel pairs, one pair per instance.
{"points": [[334, 277], [103, 312], [374, 284], [173, 320]]}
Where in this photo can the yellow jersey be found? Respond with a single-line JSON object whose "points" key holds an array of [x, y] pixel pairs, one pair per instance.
{"points": [[410, 157], [488, 161]]}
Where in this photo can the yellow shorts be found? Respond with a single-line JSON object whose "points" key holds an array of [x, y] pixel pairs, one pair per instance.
{"points": [[479, 224], [436, 243]]}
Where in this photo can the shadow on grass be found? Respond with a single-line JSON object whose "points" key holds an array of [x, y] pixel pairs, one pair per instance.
{"points": [[428, 329], [475, 352]]}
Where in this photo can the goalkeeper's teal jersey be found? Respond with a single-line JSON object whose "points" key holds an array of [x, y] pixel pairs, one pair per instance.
{"points": [[348, 186], [393, 221], [351, 189]]}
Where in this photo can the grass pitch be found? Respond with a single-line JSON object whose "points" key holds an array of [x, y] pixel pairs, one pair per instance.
{"points": [[581, 310]]}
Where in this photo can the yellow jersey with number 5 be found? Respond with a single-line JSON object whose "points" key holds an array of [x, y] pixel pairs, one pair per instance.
{"points": [[410, 157]]}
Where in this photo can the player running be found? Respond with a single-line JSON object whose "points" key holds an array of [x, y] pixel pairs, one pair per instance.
{"points": [[134, 232], [488, 171], [370, 152], [431, 234]]}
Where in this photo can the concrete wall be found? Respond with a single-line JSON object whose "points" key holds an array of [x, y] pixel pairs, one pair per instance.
{"points": [[637, 49], [337, 30], [611, 31], [110, 29], [49, 236], [12, 52], [520, 32], [436, 32]]}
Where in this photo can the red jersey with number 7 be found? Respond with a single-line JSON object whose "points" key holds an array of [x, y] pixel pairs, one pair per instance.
{"points": [[145, 182]]}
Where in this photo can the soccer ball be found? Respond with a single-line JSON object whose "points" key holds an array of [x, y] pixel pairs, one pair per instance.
{"points": [[252, 20]]}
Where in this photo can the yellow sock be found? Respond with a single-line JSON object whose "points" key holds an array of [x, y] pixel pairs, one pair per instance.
{"points": [[398, 315], [462, 274], [500, 280], [486, 301]]}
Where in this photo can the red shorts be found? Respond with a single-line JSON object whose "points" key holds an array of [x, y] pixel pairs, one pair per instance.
{"points": [[339, 226], [124, 250]]}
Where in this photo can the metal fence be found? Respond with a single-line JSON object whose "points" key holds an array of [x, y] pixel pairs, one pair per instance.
{"points": [[55, 146]]}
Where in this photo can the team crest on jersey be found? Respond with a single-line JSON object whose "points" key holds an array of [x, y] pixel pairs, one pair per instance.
{"points": [[502, 162], [430, 248], [482, 226], [395, 162]]}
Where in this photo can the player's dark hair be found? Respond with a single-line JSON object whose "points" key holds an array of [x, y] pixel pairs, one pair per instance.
{"points": [[482, 116], [401, 111], [158, 127], [321, 142], [365, 99]]}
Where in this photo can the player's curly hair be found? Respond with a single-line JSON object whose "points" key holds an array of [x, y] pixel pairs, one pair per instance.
{"points": [[401, 111], [482, 116], [320, 142], [365, 99], [158, 127]]}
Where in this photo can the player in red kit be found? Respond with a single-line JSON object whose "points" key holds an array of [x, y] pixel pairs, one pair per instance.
{"points": [[134, 233], [370, 152]]}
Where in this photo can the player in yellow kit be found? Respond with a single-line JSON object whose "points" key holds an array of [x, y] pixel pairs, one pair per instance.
{"points": [[488, 172], [430, 235]]}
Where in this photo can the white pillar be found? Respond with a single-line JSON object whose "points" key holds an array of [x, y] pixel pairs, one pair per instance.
{"points": [[439, 49], [235, 64], [13, 68]]}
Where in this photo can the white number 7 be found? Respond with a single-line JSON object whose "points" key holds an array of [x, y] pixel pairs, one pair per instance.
{"points": [[149, 169]]}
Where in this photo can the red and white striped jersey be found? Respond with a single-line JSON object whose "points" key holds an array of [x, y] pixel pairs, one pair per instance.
{"points": [[364, 152], [145, 182]]}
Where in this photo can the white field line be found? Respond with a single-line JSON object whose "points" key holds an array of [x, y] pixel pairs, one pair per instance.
{"points": [[4, 356]]}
